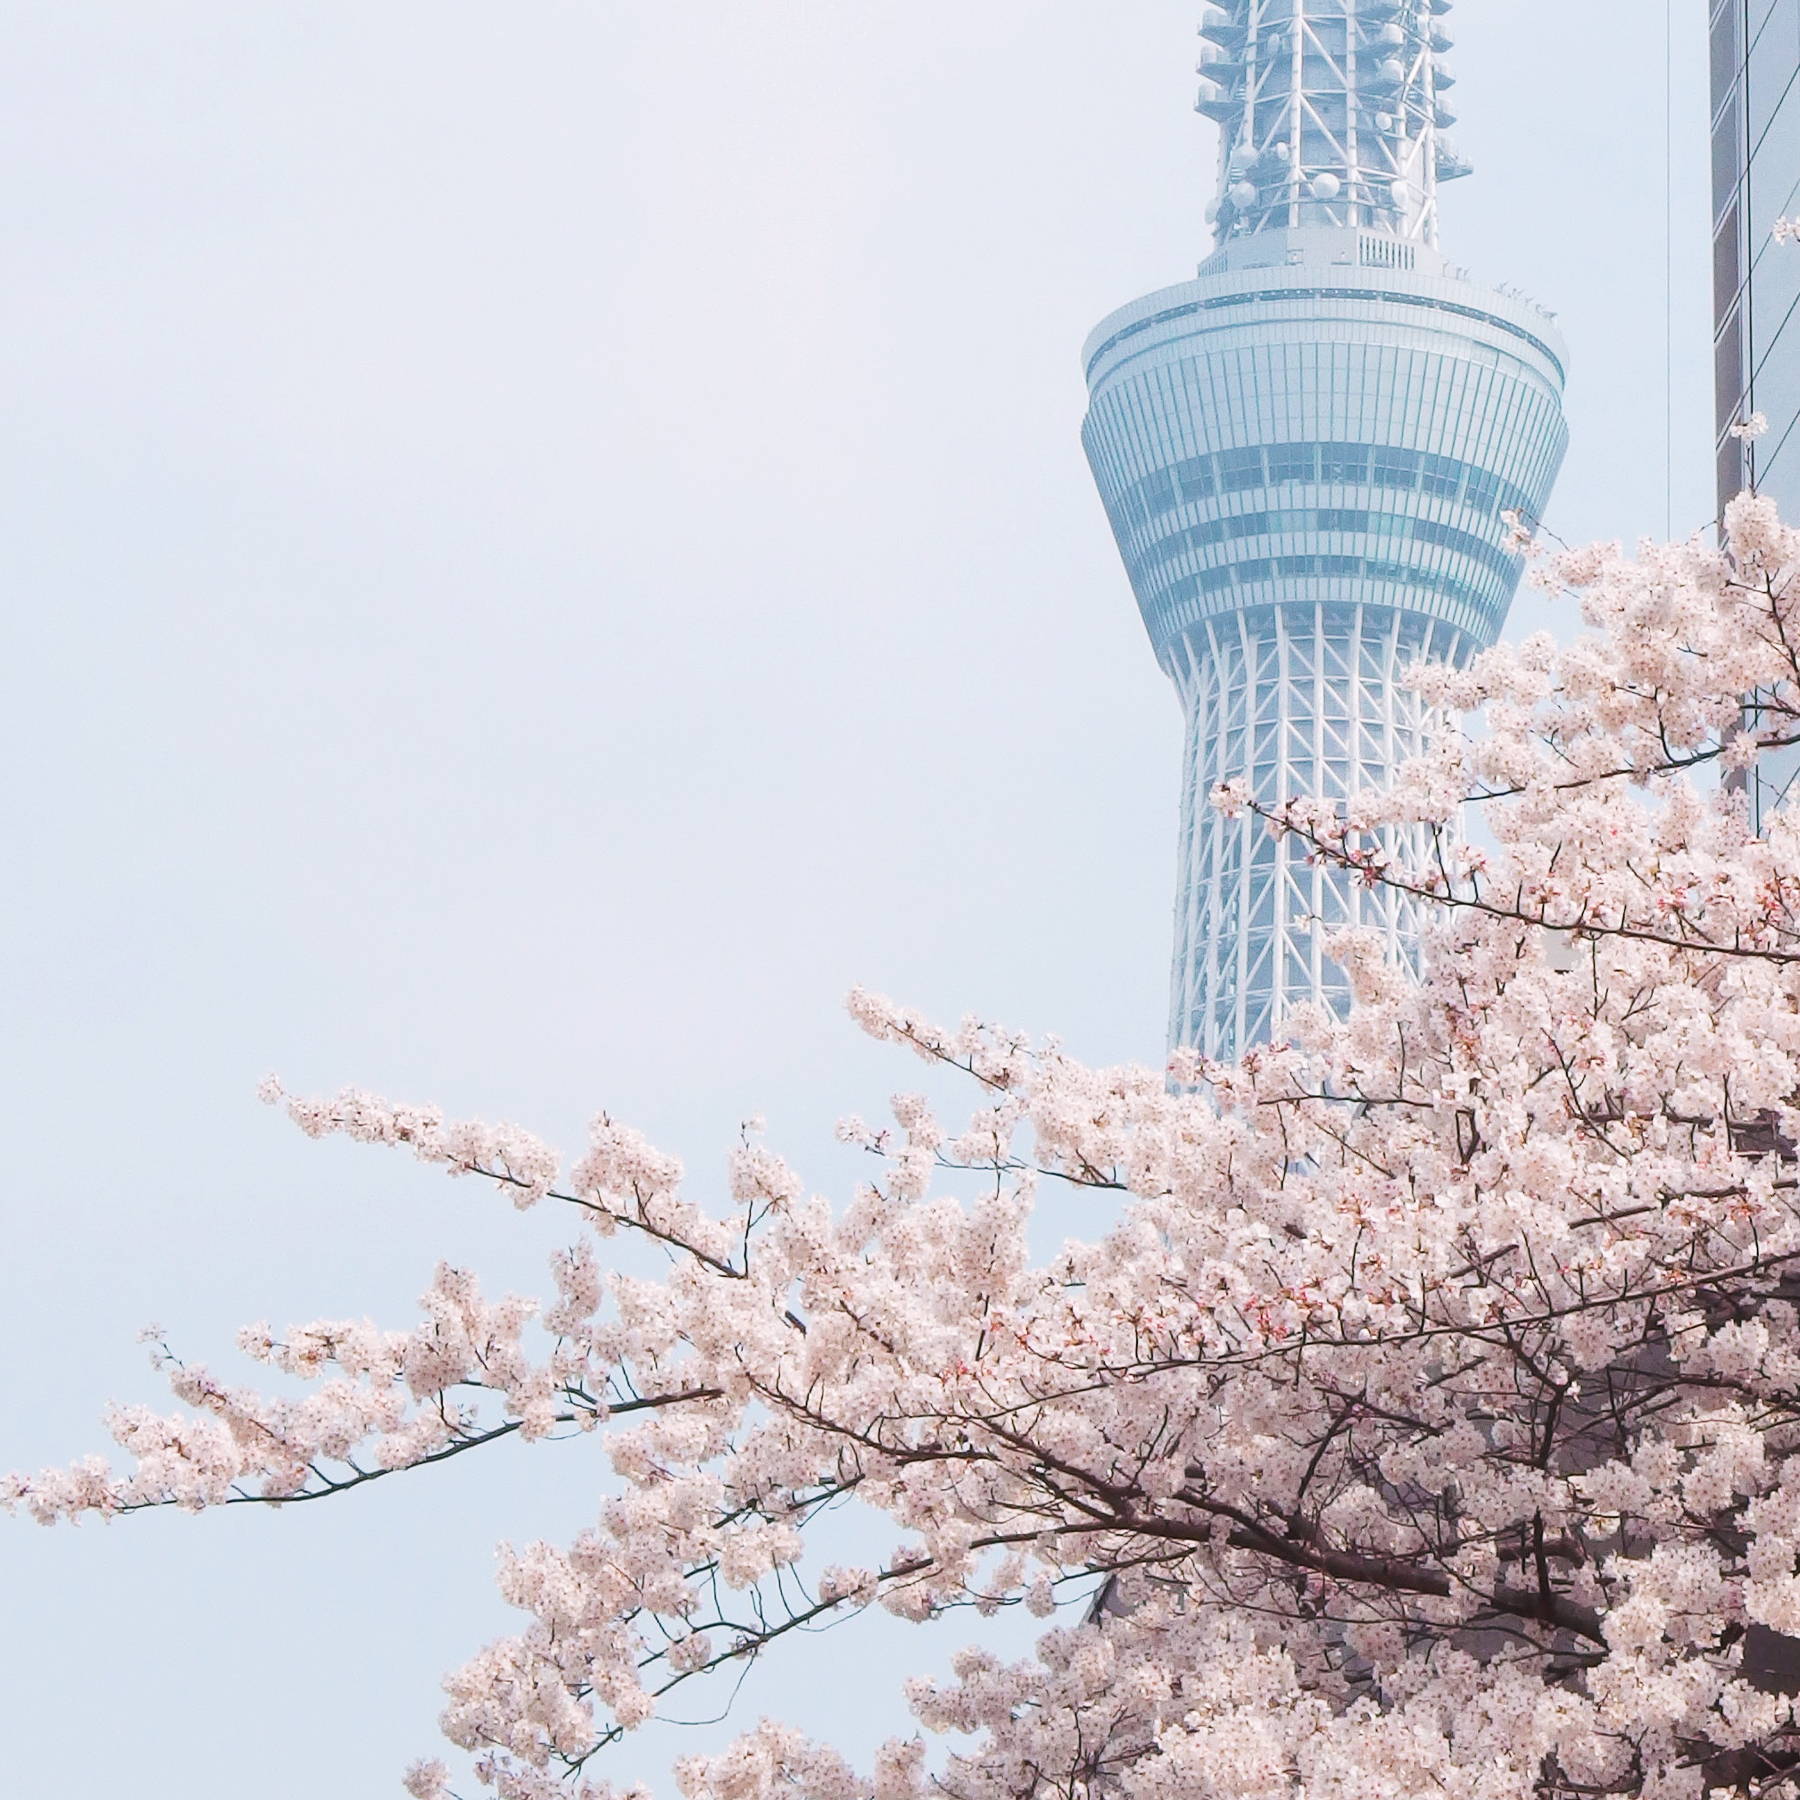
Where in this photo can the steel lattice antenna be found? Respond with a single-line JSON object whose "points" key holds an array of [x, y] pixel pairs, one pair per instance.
{"points": [[1332, 113]]}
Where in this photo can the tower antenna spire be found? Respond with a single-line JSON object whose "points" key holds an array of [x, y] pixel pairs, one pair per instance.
{"points": [[1332, 113]]}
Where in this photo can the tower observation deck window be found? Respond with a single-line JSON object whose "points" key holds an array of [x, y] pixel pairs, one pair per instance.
{"points": [[1344, 462], [1396, 469], [1485, 492], [1240, 470], [1442, 476], [1159, 493], [1194, 478], [1293, 462], [1202, 477]]}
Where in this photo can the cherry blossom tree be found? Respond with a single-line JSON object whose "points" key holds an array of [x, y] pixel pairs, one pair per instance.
{"points": [[1424, 1422]]}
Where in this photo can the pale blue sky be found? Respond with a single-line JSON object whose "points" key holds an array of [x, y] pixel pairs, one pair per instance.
{"points": [[541, 544]]}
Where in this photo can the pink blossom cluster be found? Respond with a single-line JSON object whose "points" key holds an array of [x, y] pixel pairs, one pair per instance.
{"points": [[1422, 1418]]}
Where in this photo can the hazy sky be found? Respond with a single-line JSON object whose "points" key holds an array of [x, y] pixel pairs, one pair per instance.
{"points": [[542, 543]]}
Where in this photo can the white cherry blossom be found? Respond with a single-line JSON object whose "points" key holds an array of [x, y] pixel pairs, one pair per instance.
{"points": [[1419, 1417]]}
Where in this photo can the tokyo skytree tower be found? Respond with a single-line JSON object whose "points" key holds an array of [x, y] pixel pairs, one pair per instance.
{"points": [[1305, 454]]}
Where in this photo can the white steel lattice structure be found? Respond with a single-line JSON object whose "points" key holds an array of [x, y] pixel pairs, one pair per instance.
{"points": [[1306, 454], [1333, 114]]}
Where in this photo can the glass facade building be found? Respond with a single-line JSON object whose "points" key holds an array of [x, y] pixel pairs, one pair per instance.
{"points": [[1306, 455], [1756, 281]]}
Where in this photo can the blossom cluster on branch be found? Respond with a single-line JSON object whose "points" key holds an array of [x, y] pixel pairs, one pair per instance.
{"points": [[1424, 1420]]}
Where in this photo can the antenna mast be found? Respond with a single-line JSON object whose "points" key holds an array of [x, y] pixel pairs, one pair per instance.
{"points": [[1332, 113]]}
